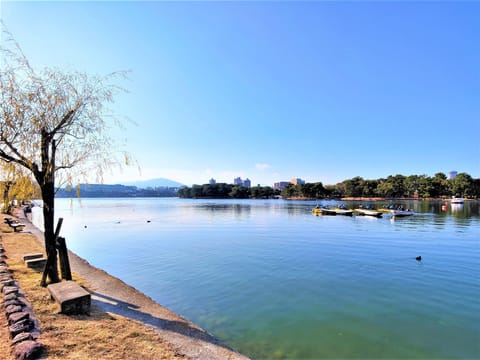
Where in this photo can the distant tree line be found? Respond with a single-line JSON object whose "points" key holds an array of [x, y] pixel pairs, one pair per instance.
{"points": [[227, 191], [394, 186]]}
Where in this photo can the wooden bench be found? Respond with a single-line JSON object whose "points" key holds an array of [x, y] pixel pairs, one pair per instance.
{"points": [[72, 298], [37, 264], [35, 261], [32, 256]]}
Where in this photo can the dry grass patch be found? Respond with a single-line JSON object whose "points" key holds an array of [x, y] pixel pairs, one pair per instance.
{"points": [[5, 349], [98, 336]]}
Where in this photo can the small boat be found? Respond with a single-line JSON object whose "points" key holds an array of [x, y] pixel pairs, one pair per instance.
{"points": [[402, 212], [387, 209], [340, 211], [457, 200], [325, 210], [368, 211]]}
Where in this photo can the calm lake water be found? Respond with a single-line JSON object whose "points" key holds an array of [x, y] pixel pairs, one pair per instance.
{"points": [[274, 281]]}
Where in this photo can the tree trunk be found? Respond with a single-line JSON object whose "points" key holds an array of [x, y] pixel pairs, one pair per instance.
{"points": [[46, 180], [48, 197], [7, 205]]}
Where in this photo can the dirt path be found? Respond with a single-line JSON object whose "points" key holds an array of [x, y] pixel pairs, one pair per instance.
{"points": [[114, 296]]}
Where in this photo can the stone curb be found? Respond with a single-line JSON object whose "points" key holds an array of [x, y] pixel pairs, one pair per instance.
{"points": [[22, 324]]}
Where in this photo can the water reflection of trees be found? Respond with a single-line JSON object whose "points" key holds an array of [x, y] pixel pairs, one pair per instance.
{"points": [[235, 208], [436, 212], [427, 212], [437, 207]]}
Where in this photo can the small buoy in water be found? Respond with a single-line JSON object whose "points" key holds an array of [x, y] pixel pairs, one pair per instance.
{"points": [[418, 258], [85, 226]]}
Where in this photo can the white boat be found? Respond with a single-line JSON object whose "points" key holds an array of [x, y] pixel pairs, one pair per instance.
{"points": [[368, 212], [456, 200], [340, 211], [402, 213]]}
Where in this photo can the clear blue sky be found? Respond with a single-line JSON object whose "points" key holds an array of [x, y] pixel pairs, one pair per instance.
{"points": [[323, 91]]}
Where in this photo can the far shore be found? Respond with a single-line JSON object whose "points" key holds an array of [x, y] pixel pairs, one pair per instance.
{"points": [[373, 199]]}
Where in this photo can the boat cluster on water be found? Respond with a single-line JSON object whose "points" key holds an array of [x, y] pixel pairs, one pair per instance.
{"points": [[397, 211]]}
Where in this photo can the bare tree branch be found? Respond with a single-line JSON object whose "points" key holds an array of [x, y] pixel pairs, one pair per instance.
{"points": [[53, 122]]}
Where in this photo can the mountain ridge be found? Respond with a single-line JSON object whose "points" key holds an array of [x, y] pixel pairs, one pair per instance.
{"points": [[153, 183]]}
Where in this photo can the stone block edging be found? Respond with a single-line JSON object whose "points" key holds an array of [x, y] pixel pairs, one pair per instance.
{"points": [[22, 324]]}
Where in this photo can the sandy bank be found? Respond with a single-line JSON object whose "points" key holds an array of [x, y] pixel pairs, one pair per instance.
{"points": [[115, 296]]}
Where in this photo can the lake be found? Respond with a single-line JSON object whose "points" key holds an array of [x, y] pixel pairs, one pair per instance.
{"points": [[276, 282]]}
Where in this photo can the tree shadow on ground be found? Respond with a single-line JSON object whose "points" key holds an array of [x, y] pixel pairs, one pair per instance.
{"points": [[132, 311]]}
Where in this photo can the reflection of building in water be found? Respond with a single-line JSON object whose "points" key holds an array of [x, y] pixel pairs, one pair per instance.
{"points": [[457, 207], [452, 174]]}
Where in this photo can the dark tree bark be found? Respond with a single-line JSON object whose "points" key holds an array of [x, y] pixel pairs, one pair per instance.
{"points": [[46, 180], [48, 197]]}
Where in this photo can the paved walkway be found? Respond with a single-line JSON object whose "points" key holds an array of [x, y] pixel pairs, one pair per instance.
{"points": [[116, 297]]}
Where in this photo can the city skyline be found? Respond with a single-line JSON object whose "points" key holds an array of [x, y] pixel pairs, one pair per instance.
{"points": [[273, 90], [295, 181]]}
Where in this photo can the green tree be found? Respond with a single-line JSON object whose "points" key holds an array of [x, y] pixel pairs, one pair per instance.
{"points": [[313, 190], [262, 192], [332, 191], [196, 191], [424, 186], [354, 187], [184, 192], [476, 188], [54, 125], [16, 184], [369, 187], [239, 192], [410, 184], [385, 188], [439, 185], [224, 190], [462, 185], [290, 191]]}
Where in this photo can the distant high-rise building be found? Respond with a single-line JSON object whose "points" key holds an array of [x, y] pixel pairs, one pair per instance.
{"points": [[297, 181], [452, 174], [239, 182], [212, 181], [280, 185]]}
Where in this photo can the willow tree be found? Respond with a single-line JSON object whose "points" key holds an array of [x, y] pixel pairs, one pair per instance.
{"points": [[56, 124], [15, 184]]}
